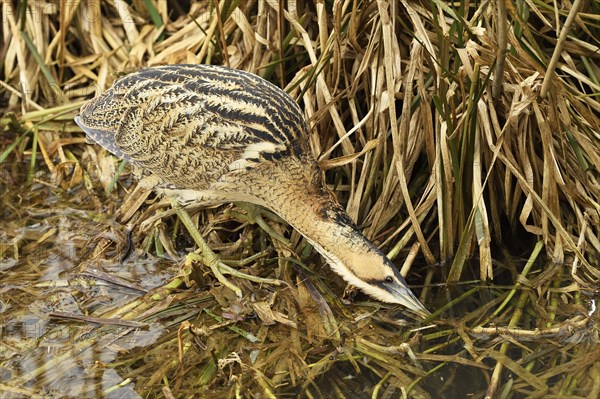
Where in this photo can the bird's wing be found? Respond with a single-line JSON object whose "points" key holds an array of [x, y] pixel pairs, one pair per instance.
{"points": [[194, 121]]}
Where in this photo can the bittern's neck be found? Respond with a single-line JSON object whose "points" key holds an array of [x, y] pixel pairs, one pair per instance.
{"points": [[331, 232], [314, 212], [338, 240]]}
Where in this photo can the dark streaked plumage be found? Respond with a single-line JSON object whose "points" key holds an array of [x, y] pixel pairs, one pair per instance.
{"points": [[212, 134]]}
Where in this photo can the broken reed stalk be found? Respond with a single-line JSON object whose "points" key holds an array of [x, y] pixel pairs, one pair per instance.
{"points": [[433, 164]]}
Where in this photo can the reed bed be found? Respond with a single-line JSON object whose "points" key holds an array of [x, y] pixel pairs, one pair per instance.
{"points": [[462, 137]]}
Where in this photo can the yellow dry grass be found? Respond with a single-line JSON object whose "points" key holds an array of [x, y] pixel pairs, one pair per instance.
{"points": [[460, 136]]}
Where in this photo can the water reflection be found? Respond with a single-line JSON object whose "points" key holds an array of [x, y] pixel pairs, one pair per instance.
{"points": [[47, 271], [76, 321]]}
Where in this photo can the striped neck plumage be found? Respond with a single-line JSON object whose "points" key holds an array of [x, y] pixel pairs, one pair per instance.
{"points": [[334, 235]]}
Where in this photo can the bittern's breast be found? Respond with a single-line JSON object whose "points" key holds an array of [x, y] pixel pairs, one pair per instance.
{"points": [[193, 124]]}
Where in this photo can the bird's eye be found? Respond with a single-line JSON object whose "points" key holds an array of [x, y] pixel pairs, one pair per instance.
{"points": [[389, 280]]}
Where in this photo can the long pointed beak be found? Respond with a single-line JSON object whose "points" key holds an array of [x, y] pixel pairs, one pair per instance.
{"points": [[406, 298]]}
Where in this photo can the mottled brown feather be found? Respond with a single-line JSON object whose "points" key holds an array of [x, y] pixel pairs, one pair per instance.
{"points": [[188, 123]]}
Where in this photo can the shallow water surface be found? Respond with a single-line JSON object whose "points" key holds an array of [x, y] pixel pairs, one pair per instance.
{"points": [[92, 308]]}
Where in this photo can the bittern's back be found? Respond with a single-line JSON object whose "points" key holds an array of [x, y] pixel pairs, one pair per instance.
{"points": [[191, 124]]}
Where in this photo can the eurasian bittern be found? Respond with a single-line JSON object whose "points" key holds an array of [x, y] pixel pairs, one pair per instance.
{"points": [[210, 134]]}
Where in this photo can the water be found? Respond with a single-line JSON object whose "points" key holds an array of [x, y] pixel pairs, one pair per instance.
{"points": [[88, 310]]}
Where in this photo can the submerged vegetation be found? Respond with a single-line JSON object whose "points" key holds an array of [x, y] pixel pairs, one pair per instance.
{"points": [[462, 137]]}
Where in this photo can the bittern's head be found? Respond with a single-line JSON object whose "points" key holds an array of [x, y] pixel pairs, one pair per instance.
{"points": [[364, 266], [377, 276]]}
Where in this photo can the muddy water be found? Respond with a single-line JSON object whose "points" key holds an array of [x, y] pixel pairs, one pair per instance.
{"points": [[55, 279], [90, 310]]}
